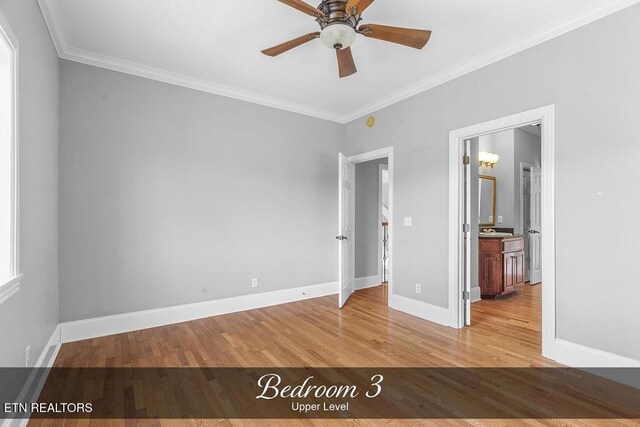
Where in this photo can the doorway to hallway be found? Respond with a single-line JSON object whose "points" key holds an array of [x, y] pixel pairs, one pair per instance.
{"points": [[365, 223]]}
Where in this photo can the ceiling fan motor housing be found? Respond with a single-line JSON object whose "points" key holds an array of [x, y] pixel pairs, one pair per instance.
{"points": [[338, 27]]}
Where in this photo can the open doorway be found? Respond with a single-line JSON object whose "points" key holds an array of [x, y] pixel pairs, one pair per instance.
{"points": [[365, 223], [506, 231], [504, 180], [499, 231]]}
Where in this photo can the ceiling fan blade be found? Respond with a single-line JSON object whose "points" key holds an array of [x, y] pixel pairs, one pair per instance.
{"points": [[346, 66], [303, 7], [359, 5], [281, 48], [406, 36]]}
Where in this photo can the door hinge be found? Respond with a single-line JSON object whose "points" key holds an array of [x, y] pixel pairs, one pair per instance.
{"points": [[466, 296], [466, 160], [466, 228]]}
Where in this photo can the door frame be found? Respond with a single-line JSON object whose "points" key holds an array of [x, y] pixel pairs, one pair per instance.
{"points": [[546, 116], [375, 155]]}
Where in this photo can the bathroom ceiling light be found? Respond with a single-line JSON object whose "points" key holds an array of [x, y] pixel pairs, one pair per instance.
{"points": [[488, 160]]}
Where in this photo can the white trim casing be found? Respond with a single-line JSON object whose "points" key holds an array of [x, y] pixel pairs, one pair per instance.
{"points": [[546, 116], [34, 385], [7, 290], [375, 155], [128, 322], [65, 51]]}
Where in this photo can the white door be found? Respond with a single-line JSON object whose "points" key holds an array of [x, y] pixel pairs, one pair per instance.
{"points": [[346, 217], [526, 219], [466, 297], [535, 231]]}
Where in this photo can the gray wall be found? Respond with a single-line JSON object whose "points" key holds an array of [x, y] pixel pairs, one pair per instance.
{"points": [[30, 316], [501, 143], [172, 196], [591, 76], [366, 214]]}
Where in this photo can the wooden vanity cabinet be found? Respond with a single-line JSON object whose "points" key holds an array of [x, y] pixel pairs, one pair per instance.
{"points": [[501, 265]]}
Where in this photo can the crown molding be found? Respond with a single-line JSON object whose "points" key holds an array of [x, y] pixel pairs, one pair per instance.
{"points": [[122, 66], [486, 59], [53, 20], [56, 28]]}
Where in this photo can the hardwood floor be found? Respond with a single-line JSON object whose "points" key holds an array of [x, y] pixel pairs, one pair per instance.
{"points": [[506, 332]]}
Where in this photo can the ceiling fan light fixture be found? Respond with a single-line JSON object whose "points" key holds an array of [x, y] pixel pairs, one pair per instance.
{"points": [[338, 36]]}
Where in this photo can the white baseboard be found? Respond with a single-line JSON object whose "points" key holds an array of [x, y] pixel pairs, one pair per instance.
{"points": [[475, 294], [127, 322], [367, 282], [34, 385], [430, 312], [580, 356]]}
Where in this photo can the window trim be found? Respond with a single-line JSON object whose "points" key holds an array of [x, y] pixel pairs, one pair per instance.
{"points": [[12, 286]]}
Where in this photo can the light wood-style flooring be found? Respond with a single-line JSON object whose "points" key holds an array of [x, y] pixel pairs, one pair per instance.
{"points": [[506, 332]]}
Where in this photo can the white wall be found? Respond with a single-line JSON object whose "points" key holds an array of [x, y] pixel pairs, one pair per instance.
{"points": [[31, 315], [591, 76], [172, 196]]}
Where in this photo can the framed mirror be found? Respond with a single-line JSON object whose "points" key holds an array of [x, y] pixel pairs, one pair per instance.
{"points": [[487, 201]]}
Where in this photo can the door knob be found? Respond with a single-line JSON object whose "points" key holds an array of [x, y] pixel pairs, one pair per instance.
{"points": [[341, 237]]}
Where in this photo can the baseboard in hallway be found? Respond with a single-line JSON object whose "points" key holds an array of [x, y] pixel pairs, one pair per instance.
{"points": [[367, 282]]}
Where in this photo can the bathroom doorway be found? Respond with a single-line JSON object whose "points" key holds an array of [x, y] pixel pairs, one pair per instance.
{"points": [[502, 232]]}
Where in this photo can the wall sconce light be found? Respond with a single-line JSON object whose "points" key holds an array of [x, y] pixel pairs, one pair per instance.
{"points": [[488, 160]]}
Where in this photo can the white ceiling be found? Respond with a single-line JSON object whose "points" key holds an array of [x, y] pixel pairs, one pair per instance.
{"points": [[215, 45]]}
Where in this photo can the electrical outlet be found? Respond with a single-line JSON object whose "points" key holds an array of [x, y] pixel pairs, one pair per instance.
{"points": [[254, 283], [27, 356], [408, 221], [418, 288], [500, 219]]}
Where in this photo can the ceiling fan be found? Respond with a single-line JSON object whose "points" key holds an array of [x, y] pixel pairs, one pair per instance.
{"points": [[338, 20]]}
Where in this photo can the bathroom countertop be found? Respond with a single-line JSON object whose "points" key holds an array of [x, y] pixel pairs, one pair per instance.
{"points": [[514, 237]]}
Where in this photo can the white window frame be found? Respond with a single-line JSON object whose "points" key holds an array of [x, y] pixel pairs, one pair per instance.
{"points": [[12, 286]]}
